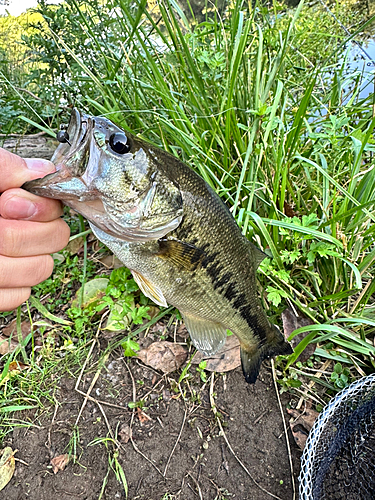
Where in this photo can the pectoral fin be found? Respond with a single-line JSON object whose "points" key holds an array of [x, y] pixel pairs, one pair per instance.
{"points": [[149, 289], [207, 336], [181, 254]]}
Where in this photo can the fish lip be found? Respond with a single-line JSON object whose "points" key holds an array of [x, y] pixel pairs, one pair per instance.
{"points": [[80, 127], [80, 131]]}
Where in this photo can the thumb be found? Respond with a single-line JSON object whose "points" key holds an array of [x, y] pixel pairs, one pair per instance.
{"points": [[14, 170]]}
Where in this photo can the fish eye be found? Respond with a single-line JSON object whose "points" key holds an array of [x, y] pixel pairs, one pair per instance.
{"points": [[119, 143], [62, 136]]}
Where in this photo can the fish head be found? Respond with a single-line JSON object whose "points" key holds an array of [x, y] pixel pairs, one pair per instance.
{"points": [[112, 179]]}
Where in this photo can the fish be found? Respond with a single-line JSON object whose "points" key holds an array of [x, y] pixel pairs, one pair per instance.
{"points": [[171, 229]]}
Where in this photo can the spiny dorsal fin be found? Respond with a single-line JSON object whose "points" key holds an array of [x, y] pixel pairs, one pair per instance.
{"points": [[207, 336], [181, 254], [258, 255], [149, 289]]}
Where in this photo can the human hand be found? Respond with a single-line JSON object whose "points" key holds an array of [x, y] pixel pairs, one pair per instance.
{"points": [[30, 229]]}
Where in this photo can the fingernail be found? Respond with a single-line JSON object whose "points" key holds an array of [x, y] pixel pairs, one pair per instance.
{"points": [[19, 208], [40, 165]]}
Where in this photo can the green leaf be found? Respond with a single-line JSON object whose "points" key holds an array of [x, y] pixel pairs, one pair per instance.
{"points": [[130, 348], [275, 295], [40, 307]]}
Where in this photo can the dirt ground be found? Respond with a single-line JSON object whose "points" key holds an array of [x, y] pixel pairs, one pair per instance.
{"points": [[177, 448], [171, 448]]}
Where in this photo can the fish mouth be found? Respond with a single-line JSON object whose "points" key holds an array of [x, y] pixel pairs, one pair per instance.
{"points": [[78, 162], [71, 159]]}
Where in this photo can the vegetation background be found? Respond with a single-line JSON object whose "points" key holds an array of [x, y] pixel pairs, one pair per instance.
{"points": [[270, 104]]}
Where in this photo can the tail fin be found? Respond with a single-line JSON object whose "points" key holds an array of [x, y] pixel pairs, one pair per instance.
{"points": [[251, 361]]}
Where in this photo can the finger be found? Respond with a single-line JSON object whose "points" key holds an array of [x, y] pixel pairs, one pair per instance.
{"points": [[19, 204], [25, 238], [13, 297], [14, 170], [24, 271]]}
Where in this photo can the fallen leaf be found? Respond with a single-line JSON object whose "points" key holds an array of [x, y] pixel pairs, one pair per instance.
{"points": [[125, 433], [14, 368], [288, 210], [164, 356], [153, 311], [11, 329], [17, 366], [111, 262], [226, 359], [93, 291], [142, 416], [59, 257], [301, 424], [7, 466], [75, 245], [290, 323], [7, 345], [59, 463]]}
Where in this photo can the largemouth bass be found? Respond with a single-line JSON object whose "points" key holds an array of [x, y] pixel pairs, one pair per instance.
{"points": [[167, 225]]}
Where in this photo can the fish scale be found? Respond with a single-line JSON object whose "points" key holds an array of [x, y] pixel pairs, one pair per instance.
{"points": [[168, 226]]}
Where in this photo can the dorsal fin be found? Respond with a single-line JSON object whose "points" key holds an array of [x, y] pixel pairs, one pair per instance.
{"points": [[258, 254], [179, 253], [207, 336]]}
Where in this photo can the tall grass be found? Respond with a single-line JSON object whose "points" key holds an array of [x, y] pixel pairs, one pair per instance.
{"points": [[274, 128]]}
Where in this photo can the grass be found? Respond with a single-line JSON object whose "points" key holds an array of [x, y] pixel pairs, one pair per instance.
{"points": [[273, 129], [270, 118]]}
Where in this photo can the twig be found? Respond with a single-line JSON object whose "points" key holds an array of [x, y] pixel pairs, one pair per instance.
{"points": [[99, 401], [107, 423], [285, 428], [87, 395], [213, 407], [93, 382], [131, 423], [312, 383], [177, 440], [197, 485], [50, 428]]}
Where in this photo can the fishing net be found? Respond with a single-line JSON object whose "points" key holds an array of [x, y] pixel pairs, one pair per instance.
{"points": [[338, 461]]}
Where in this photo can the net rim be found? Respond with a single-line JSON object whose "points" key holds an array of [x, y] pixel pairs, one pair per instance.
{"points": [[324, 419]]}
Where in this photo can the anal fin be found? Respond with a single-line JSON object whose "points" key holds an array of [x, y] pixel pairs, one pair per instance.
{"points": [[149, 289], [207, 336]]}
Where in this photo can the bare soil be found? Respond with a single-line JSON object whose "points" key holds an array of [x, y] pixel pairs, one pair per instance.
{"points": [[178, 447], [177, 450]]}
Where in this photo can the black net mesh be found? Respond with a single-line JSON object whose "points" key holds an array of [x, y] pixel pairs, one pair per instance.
{"points": [[338, 461]]}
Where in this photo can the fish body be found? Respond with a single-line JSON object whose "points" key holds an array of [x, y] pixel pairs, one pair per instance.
{"points": [[167, 225]]}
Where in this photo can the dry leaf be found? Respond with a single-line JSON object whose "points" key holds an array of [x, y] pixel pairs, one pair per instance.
{"points": [[111, 262], [164, 356], [59, 463], [301, 425], [226, 359], [288, 210], [7, 345], [143, 417], [290, 323], [125, 433], [17, 366], [11, 329], [7, 466], [74, 246]]}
